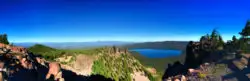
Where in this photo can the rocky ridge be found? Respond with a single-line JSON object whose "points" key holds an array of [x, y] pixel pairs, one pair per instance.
{"points": [[78, 67]]}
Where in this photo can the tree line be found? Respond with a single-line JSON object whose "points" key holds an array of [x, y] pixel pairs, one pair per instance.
{"points": [[4, 39], [241, 44]]}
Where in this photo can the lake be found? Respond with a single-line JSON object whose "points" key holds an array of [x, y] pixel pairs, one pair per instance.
{"points": [[157, 53]]}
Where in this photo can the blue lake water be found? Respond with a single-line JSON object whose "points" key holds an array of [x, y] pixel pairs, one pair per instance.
{"points": [[157, 53]]}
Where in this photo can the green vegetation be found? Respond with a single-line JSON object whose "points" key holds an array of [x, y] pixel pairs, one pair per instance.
{"points": [[47, 52], [216, 40], [118, 68], [246, 31], [51, 53], [38, 48], [202, 75], [244, 40], [206, 50], [151, 77], [4, 39], [90, 51]]}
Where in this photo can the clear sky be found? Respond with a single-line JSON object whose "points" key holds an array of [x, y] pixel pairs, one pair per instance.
{"points": [[120, 20]]}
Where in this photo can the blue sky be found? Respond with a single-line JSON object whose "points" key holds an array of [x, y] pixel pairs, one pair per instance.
{"points": [[120, 20]]}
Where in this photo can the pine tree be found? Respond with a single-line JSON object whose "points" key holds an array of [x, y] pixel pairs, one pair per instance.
{"points": [[235, 42], [220, 39], [202, 42], [246, 31], [1, 38], [243, 44], [234, 39], [220, 42], [214, 35], [214, 39], [202, 39], [4, 39]]}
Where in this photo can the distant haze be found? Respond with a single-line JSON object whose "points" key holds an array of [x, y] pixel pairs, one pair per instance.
{"points": [[72, 45]]}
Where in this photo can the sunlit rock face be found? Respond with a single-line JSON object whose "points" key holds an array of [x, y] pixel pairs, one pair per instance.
{"points": [[18, 49], [13, 49], [139, 76], [81, 65]]}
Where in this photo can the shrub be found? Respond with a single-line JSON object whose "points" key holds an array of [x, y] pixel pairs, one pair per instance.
{"points": [[202, 75]]}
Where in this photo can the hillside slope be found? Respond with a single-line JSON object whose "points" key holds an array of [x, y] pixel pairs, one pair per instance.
{"points": [[46, 51], [110, 62], [39, 48]]}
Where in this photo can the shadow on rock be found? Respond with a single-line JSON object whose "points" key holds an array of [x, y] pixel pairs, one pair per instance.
{"points": [[176, 69], [240, 75], [72, 76]]}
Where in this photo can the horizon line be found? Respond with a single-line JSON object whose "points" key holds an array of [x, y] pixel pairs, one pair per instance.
{"points": [[101, 41]]}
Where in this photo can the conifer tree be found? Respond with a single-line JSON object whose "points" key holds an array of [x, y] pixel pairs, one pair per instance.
{"points": [[214, 35], [214, 39], [1, 38], [246, 31], [235, 42], [4, 39], [221, 42], [234, 39], [243, 42]]}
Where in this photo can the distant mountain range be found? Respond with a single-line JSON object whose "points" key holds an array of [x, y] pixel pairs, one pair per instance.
{"points": [[175, 45], [73, 45], [179, 45]]}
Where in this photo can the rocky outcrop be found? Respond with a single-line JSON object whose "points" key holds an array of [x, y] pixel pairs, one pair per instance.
{"points": [[116, 50], [81, 65], [205, 72], [65, 59], [176, 69], [16, 49], [73, 67], [197, 53], [191, 54], [13, 49], [21, 65], [201, 52]]}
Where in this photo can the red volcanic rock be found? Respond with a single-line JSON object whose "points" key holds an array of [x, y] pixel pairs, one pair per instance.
{"points": [[55, 70], [2, 45], [15, 49]]}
